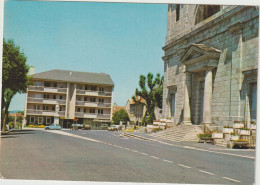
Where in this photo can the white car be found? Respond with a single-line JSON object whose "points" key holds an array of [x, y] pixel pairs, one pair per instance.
{"points": [[114, 128]]}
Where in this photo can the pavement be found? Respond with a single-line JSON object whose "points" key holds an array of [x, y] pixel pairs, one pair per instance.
{"points": [[85, 155]]}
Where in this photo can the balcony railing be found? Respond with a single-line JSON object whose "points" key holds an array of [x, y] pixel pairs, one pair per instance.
{"points": [[92, 115], [45, 112], [94, 93], [47, 89], [93, 104], [44, 100]]}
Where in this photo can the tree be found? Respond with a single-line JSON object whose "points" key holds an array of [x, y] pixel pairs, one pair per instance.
{"points": [[14, 76], [120, 115], [152, 97]]}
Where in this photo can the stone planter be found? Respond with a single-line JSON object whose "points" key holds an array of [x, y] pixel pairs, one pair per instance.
{"points": [[234, 137], [244, 132], [217, 135], [253, 126], [238, 125], [227, 130]]}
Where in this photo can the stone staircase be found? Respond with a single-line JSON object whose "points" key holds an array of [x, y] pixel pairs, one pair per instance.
{"points": [[222, 142], [180, 133]]}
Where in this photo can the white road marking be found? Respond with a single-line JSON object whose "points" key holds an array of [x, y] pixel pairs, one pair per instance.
{"points": [[127, 149], [154, 157], [134, 151], [206, 172], [231, 179], [184, 166], [167, 161], [144, 153]]}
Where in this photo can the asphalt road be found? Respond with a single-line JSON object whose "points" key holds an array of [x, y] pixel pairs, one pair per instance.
{"points": [[106, 156]]}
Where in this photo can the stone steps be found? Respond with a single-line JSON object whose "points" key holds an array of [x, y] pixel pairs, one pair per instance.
{"points": [[180, 133]]}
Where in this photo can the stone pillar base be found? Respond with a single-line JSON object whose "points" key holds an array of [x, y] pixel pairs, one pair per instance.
{"points": [[186, 123]]}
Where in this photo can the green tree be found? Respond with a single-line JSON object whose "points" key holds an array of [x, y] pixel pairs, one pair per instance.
{"points": [[120, 115], [14, 76], [151, 91]]}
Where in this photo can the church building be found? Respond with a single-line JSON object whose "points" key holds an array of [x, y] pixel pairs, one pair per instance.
{"points": [[210, 64]]}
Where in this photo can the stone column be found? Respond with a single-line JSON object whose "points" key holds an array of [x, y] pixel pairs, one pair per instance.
{"points": [[186, 109], [207, 96]]}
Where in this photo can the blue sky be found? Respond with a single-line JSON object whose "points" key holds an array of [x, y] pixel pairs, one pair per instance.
{"points": [[123, 40]]}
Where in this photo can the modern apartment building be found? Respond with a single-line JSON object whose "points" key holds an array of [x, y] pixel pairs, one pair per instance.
{"points": [[66, 97]]}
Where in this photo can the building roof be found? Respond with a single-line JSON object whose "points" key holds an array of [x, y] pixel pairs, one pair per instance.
{"points": [[16, 115], [117, 108], [74, 76], [131, 101]]}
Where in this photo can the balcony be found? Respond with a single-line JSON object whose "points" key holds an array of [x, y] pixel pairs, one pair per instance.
{"points": [[45, 112], [93, 104], [94, 93], [46, 101], [92, 115], [47, 89]]}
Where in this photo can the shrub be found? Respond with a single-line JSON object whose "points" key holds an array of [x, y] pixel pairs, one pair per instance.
{"points": [[228, 126], [206, 135], [156, 129], [241, 140]]}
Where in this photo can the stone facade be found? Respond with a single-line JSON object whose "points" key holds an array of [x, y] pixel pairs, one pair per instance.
{"points": [[210, 64]]}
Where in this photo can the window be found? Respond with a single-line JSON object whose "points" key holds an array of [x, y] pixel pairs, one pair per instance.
{"points": [[46, 84], [38, 84], [86, 87], [101, 89], [55, 84], [100, 111], [85, 110], [61, 85], [177, 12], [205, 11], [54, 97], [31, 119], [85, 98], [61, 97], [92, 111], [48, 120], [93, 88], [80, 86], [79, 98], [93, 99], [101, 100], [45, 107], [46, 96], [36, 107], [78, 109], [132, 108], [40, 120], [53, 108], [60, 108]]}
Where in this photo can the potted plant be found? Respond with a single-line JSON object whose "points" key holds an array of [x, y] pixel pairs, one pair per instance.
{"points": [[234, 137], [244, 132], [227, 129], [238, 124], [217, 135], [252, 125]]}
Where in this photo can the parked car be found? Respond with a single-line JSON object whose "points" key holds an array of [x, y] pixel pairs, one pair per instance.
{"points": [[75, 126], [52, 127], [114, 128], [86, 127]]}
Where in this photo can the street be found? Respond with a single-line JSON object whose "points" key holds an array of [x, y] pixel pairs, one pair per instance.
{"points": [[89, 155]]}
